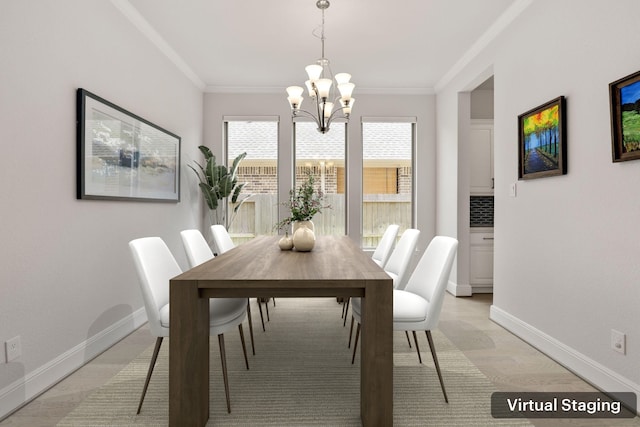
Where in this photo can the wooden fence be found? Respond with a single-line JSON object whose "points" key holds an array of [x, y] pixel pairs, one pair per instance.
{"points": [[258, 216]]}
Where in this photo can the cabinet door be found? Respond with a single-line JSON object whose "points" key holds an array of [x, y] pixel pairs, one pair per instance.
{"points": [[481, 265], [481, 151]]}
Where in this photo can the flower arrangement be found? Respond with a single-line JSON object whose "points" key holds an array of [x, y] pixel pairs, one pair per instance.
{"points": [[303, 204]]}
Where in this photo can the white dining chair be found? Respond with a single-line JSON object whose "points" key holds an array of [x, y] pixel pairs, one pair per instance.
{"points": [[156, 266], [385, 246], [380, 256], [398, 264], [223, 243], [198, 252], [221, 239], [417, 307]]}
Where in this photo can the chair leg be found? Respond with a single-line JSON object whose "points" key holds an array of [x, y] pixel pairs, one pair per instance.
{"points": [[435, 361], [408, 339], [225, 378], [274, 301], [261, 316], [244, 347], [346, 310], [351, 331], [355, 345], [344, 305], [266, 305], [152, 363], [253, 347], [415, 339]]}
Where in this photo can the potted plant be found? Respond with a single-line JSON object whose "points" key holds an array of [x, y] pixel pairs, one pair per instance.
{"points": [[303, 205], [219, 185]]}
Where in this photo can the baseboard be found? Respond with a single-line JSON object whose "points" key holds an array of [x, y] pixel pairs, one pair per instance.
{"points": [[588, 369], [458, 290], [482, 289], [22, 391]]}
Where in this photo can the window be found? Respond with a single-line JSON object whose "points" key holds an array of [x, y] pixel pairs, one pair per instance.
{"points": [[323, 156], [387, 177], [259, 170]]}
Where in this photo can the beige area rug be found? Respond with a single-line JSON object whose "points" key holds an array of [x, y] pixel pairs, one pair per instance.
{"points": [[302, 375]]}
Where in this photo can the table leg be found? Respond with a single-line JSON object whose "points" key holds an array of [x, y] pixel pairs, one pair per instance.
{"points": [[376, 355], [188, 355]]}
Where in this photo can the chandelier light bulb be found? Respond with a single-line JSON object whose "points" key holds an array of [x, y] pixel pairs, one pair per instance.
{"points": [[324, 87], [342, 78], [346, 106], [346, 89], [314, 71], [312, 93], [328, 108]]}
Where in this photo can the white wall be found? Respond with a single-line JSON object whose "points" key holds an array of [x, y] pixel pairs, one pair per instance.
{"points": [[566, 270], [218, 105], [68, 286]]}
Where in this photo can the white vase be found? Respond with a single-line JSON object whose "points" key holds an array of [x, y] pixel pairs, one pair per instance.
{"points": [[296, 224], [286, 243], [304, 239]]}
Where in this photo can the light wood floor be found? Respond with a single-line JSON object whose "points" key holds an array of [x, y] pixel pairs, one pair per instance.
{"points": [[510, 363]]}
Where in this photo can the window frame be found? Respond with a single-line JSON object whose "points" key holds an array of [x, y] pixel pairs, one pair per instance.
{"points": [[414, 137]]}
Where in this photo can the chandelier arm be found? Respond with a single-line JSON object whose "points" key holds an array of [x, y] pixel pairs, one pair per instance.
{"points": [[333, 113], [320, 118], [305, 113]]}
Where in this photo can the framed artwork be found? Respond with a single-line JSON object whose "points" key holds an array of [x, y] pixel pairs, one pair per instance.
{"points": [[624, 97], [542, 147], [121, 156]]}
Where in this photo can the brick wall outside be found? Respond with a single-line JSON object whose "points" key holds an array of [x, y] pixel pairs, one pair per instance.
{"points": [[264, 179]]}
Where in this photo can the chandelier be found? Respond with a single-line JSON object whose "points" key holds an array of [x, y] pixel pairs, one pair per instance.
{"points": [[320, 89]]}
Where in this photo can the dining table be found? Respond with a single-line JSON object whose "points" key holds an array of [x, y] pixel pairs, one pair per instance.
{"points": [[335, 267]]}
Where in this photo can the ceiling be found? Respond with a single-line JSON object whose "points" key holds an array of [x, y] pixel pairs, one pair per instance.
{"points": [[404, 46]]}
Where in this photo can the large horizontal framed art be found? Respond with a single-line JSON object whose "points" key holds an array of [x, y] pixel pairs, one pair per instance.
{"points": [[122, 156], [542, 146], [624, 97]]}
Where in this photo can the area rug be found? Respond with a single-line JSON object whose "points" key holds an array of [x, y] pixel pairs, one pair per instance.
{"points": [[302, 375]]}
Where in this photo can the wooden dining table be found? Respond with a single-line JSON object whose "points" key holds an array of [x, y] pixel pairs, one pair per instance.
{"points": [[336, 267]]}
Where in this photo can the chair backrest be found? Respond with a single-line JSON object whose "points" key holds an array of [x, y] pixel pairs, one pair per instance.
{"points": [[196, 247], [221, 238], [399, 260], [431, 275], [155, 266], [385, 246]]}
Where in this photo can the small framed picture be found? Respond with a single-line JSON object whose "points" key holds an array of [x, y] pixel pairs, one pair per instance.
{"points": [[624, 97], [121, 156], [542, 148]]}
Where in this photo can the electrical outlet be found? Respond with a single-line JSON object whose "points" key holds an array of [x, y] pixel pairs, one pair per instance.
{"points": [[618, 341], [13, 348]]}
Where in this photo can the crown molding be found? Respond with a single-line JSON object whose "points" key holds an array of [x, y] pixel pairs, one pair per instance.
{"points": [[282, 90], [132, 14], [496, 29]]}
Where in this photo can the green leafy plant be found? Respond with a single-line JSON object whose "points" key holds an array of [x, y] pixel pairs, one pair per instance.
{"points": [[303, 204], [219, 186]]}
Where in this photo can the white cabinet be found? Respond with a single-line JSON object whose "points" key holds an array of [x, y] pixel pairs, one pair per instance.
{"points": [[481, 158], [481, 261]]}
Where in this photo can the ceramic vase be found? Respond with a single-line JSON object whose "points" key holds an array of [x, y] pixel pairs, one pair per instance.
{"points": [[286, 242], [304, 239], [296, 224]]}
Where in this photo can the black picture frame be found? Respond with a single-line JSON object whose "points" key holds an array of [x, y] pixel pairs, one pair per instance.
{"points": [[542, 140], [624, 100], [121, 156]]}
